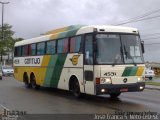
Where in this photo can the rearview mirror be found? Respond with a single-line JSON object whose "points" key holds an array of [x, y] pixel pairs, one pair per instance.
{"points": [[142, 46]]}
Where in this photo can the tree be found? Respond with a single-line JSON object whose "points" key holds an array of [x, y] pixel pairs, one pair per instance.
{"points": [[7, 43]]}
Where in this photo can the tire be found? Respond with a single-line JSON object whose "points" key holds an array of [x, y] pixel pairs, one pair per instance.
{"points": [[33, 83], [76, 89], [26, 82], [114, 95], [150, 78]]}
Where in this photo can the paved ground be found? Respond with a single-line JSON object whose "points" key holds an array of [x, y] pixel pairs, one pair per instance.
{"points": [[155, 79], [14, 96]]}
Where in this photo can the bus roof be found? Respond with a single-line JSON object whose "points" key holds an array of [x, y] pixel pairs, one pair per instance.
{"points": [[76, 30]]}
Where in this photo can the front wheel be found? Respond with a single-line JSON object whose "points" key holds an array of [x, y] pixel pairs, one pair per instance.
{"points": [[76, 89], [114, 95]]}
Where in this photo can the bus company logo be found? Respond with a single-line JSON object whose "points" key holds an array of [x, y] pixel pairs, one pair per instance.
{"points": [[32, 61], [74, 59], [125, 80]]}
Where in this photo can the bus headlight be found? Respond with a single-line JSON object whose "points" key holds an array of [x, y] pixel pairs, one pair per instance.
{"points": [[105, 81], [140, 79]]}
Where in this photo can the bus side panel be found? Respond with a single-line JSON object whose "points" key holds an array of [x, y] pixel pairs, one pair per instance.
{"points": [[73, 66], [66, 75], [18, 73], [39, 71], [54, 69]]}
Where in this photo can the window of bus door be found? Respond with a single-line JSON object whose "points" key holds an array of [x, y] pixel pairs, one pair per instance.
{"points": [[89, 50]]}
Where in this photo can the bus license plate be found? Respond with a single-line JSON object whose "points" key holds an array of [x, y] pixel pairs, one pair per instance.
{"points": [[124, 90]]}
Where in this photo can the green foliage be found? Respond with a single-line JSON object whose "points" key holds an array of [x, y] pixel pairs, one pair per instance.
{"points": [[7, 41]]}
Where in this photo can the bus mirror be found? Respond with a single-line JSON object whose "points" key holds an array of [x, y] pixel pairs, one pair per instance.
{"points": [[142, 46]]}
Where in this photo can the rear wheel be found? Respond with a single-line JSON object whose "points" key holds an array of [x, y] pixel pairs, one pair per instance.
{"points": [[114, 95], [33, 83], [26, 82]]}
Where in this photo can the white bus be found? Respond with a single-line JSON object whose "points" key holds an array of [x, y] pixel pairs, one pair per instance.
{"points": [[93, 59]]}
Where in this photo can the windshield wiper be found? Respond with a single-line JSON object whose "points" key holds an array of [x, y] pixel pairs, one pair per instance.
{"points": [[128, 55]]}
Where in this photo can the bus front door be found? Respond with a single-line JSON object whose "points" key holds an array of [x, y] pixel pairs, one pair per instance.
{"points": [[88, 65]]}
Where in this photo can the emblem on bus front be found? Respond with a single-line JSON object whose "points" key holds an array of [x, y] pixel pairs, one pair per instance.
{"points": [[125, 80], [74, 59]]}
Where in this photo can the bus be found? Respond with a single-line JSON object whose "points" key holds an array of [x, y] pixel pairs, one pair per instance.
{"points": [[84, 59]]}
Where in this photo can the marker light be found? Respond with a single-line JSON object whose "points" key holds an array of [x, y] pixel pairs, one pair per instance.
{"points": [[97, 80]]}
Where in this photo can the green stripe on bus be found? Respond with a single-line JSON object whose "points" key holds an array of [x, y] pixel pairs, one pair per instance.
{"points": [[130, 71], [49, 70], [133, 71], [58, 70]]}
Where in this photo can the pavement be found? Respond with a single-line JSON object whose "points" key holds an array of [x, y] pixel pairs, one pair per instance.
{"points": [[152, 87]]}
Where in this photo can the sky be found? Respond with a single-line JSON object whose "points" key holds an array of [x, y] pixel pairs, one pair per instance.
{"points": [[31, 18]]}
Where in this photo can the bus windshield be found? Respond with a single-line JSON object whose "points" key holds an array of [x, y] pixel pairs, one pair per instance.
{"points": [[118, 49]]}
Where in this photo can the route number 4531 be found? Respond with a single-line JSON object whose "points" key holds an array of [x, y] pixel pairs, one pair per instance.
{"points": [[110, 74]]}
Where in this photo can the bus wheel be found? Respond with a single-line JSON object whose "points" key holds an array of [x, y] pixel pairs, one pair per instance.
{"points": [[76, 90], [33, 83], [114, 95], [26, 82]]}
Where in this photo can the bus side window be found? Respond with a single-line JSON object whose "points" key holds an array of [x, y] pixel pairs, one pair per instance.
{"points": [[19, 51], [89, 50], [75, 44], [25, 50], [51, 45], [62, 46], [41, 48], [16, 51]]}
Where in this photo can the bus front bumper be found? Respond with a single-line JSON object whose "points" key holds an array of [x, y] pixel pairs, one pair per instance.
{"points": [[118, 88]]}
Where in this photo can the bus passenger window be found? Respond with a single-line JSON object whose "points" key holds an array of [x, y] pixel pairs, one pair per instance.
{"points": [[75, 44], [41, 48], [25, 50], [33, 49], [51, 47], [62, 46]]}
